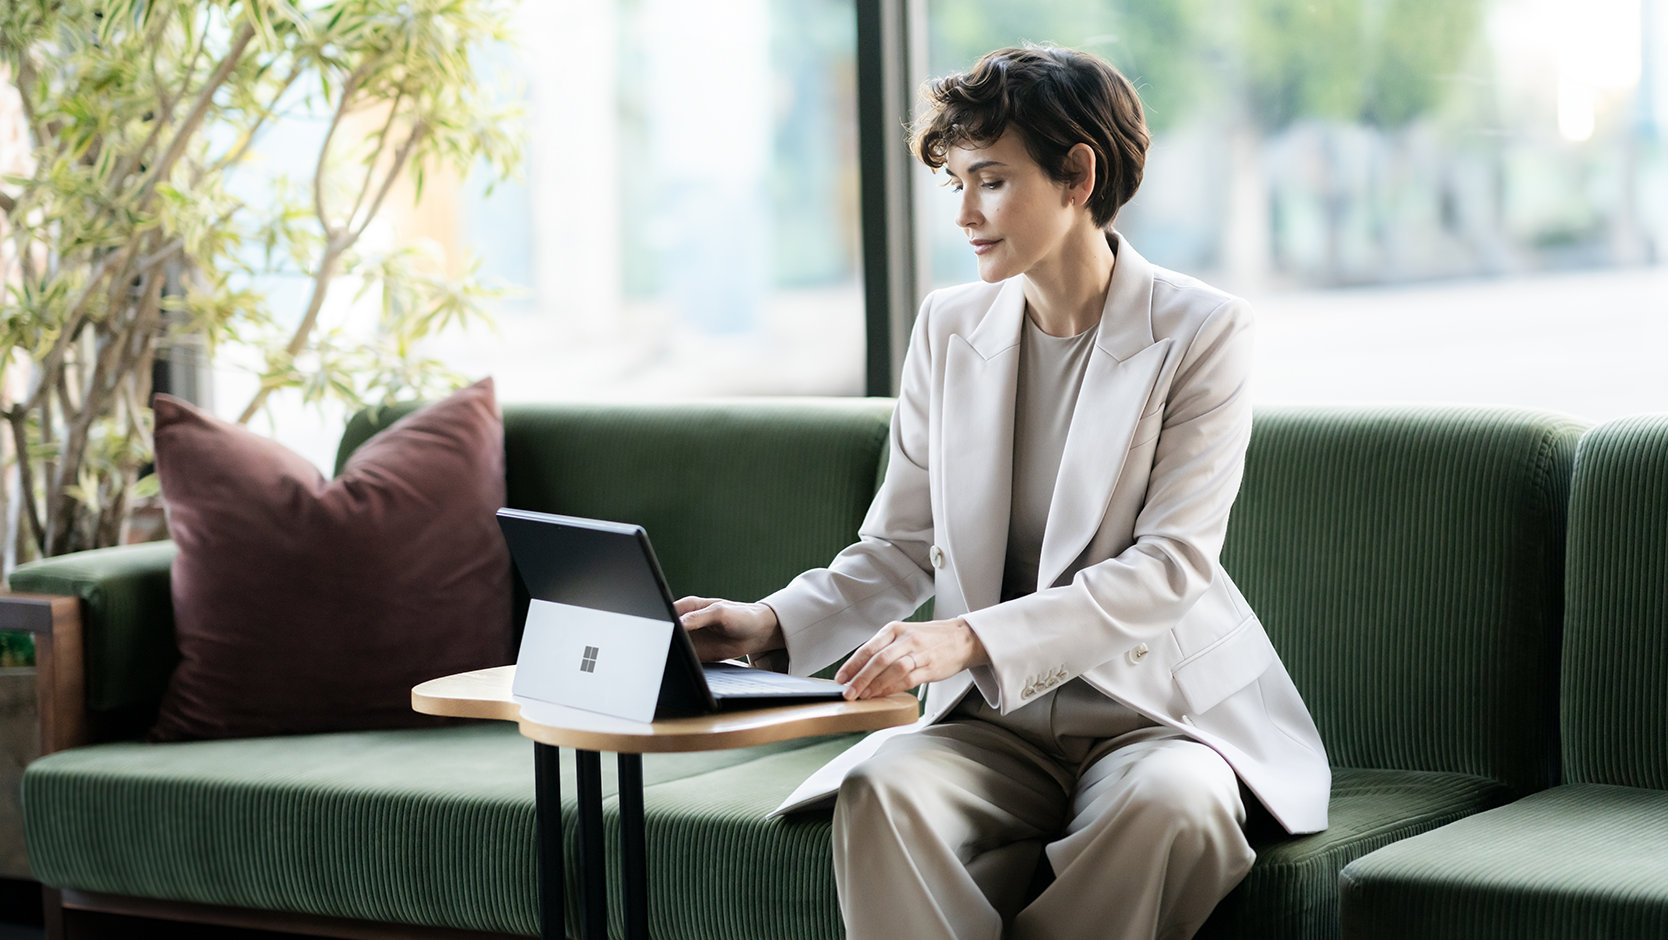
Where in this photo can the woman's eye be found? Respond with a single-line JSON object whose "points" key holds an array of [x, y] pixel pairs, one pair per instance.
{"points": [[992, 185]]}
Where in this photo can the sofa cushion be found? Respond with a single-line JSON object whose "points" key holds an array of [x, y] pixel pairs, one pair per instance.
{"points": [[421, 826], [1291, 892], [435, 827], [304, 605], [1582, 860], [1408, 564]]}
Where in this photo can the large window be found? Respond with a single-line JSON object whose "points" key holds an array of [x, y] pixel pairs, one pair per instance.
{"points": [[1424, 199], [687, 221]]}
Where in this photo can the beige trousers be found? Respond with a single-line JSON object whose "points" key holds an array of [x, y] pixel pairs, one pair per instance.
{"points": [[940, 834]]}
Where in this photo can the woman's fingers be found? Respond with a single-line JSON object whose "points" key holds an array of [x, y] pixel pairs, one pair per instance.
{"points": [[685, 605], [860, 657], [902, 656], [898, 658], [893, 670], [712, 646], [723, 629]]}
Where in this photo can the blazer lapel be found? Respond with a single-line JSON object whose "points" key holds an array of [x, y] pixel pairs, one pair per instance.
{"points": [[1119, 380], [981, 375]]}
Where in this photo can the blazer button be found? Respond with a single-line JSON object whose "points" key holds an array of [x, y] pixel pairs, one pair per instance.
{"points": [[1137, 654], [936, 556]]}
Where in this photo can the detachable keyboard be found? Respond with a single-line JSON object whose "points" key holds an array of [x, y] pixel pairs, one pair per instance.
{"points": [[727, 680]]}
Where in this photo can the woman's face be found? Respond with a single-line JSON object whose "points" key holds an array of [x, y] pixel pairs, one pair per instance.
{"points": [[1015, 216]]}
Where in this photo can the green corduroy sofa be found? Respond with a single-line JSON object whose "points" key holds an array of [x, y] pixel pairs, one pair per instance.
{"points": [[1588, 858], [1408, 562]]}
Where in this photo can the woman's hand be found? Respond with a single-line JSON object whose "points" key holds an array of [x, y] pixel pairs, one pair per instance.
{"points": [[904, 655], [722, 629]]}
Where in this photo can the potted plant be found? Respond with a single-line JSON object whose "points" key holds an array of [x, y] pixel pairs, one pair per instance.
{"points": [[126, 228], [127, 225]]}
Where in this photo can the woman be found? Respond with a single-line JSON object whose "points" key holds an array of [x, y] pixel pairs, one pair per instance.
{"points": [[1067, 444]]}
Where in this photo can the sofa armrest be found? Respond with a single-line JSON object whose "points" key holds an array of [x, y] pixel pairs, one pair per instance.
{"points": [[125, 643]]}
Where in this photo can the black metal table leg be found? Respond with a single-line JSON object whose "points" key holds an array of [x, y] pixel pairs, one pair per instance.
{"points": [[593, 877], [634, 869], [547, 788], [593, 874]]}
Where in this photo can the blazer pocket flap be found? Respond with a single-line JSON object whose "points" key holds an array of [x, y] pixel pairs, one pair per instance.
{"points": [[1226, 666]]}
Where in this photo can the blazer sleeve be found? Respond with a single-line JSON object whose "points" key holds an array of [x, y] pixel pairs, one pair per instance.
{"points": [[885, 575], [1111, 607]]}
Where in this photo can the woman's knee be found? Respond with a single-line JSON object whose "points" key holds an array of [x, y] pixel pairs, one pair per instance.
{"points": [[1189, 787], [887, 778]]}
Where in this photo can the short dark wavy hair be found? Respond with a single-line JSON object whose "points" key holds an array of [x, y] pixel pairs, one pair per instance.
{"points": [[1056, 98]]}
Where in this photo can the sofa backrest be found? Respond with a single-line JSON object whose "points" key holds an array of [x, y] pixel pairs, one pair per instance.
{"points": [[1408, 564], [737, 496], [1615, 678]]}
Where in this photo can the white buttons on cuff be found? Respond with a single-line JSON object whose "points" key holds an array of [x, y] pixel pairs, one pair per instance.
{"points": [[936, 556], [1137, 654], [1035, 685]]}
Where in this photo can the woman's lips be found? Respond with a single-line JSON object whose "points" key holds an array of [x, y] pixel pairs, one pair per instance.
{"points": [[982, 245]]}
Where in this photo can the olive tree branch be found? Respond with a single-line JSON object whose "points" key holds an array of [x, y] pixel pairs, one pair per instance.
{"points": [[249, 136], [349, 89], [400, 160], [49, 434], [18, 418], [165, 113], [337, 241], [322, 278], [203, 30], [26, 78], [188, 127], [76, 315], [160, 255], [125, 343], [371, 161]]}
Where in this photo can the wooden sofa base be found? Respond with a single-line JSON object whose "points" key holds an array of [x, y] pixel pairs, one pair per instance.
{"points": [[84, 915]]}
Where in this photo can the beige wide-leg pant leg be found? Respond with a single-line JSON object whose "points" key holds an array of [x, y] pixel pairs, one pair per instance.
{"points": [[937, 835], [1155, 840]]}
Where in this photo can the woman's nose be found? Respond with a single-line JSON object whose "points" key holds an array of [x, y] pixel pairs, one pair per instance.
{"points": [[968, 216]]}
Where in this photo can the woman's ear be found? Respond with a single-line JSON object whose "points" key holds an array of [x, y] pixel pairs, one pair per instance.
{"points": [[1080, 170]]}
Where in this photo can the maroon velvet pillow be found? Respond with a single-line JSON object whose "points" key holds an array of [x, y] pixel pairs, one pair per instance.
{"points": [[304, 605]]}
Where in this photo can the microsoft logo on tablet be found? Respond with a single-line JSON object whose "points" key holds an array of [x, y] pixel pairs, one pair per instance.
{"points": [[589, 662]]}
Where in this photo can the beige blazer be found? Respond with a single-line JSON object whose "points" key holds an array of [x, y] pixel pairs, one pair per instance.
{"points": [[1130, 593]]}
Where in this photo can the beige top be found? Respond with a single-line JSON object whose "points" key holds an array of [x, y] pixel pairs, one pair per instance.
{"points": [[1050, 374], [1070, 720]]}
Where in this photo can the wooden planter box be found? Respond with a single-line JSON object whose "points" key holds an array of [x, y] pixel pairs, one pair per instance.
{"points": [[19, 744]]}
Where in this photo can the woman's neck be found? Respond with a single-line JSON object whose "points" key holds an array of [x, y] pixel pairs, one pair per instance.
{"points": [[1065, 295]]}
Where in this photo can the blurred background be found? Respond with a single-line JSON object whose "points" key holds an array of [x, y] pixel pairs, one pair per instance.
{"points": [[1424, 200]]}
